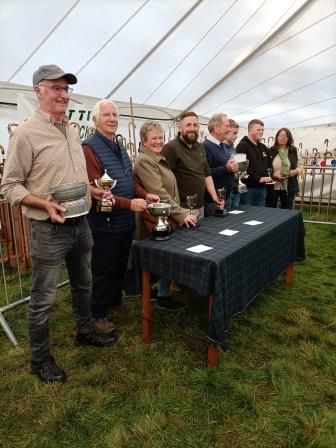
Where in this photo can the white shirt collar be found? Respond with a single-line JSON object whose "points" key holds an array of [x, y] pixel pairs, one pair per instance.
{"points": [[213, 139]]}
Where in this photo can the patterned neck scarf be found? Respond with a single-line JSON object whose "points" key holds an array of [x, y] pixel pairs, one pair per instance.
{"points": [[283, 154]]}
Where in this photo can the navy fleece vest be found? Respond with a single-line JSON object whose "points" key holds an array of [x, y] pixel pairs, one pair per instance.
{"points": [[114, 159]]}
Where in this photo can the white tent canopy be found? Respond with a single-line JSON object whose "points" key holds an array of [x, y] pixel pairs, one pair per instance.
{"points": [[267, 59]]}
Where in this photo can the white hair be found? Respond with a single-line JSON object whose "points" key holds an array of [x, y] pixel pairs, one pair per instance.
{"points": [[96, 107]]}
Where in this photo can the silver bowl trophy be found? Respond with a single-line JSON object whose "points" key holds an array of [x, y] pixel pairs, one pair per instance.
{"points": [[162, 230], [243, 164], [220, 210], [72, 197], [105, 183]]}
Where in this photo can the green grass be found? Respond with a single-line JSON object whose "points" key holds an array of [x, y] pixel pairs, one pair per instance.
{"points": [[275, 386], [313, 214]]}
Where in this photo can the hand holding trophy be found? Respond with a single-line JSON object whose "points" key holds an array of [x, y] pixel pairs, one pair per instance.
{"points": [[220, 210], [270, 172], [105, 183], [243, 164], [192, 201]]}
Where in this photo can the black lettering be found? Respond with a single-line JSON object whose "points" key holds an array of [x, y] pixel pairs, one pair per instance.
{"points": [[81, 113]]}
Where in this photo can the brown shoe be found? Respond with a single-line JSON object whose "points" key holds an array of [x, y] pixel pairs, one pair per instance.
{"points": [[104, 325]]}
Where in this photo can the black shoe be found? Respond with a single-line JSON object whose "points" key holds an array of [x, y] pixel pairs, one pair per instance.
{"points": [[167, 303], [96, 339], [117, 303], [48, 372], [154, 294]]}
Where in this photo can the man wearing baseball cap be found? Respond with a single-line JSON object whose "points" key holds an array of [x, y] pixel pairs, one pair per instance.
{"points": [[45, 152]]}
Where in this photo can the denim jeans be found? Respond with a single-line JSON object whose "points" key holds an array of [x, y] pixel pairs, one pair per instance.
{"points": [[234, 200], [52, 244], [109, 263], [254, 196]]}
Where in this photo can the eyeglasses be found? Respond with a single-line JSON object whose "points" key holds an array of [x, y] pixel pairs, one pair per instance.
{"points": [[58, 89]]}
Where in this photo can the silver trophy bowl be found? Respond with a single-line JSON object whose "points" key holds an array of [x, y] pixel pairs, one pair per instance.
{"points": [[162, 230], [72, 197]]}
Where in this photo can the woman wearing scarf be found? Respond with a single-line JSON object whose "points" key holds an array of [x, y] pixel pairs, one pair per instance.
{"points": [[286, 167]]}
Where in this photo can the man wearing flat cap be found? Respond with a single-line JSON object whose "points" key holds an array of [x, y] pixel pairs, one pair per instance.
{"points": [[45, 152]]}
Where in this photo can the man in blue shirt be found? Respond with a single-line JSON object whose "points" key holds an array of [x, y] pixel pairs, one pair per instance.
{"points": [[222, 168], [231, 137]]}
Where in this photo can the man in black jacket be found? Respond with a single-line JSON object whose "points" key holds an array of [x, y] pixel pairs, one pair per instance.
{"points": [[257, 155]]}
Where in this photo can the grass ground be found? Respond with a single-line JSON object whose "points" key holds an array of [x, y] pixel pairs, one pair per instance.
{"points": [[275, 386]]}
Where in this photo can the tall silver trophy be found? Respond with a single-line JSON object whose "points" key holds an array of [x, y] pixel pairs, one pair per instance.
{"points": [[192, 202], [243, 164], [162, 230], [220, 210]]}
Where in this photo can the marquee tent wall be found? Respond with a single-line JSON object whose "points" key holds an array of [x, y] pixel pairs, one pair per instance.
{"points": [[262, 58]]}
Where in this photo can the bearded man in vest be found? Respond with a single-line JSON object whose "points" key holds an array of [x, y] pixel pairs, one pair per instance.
{"points": [[112, 231]]}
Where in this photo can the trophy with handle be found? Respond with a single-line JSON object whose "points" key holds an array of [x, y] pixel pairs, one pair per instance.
{"points": [[105, 183], [161, 211]]}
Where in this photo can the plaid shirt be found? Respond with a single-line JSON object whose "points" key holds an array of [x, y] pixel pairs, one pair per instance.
{"points": [[40, 157]]}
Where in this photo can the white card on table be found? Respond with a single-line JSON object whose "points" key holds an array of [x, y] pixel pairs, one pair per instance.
{"points": [[198, 249], [228, 232], [253, 223], [236, 212]]}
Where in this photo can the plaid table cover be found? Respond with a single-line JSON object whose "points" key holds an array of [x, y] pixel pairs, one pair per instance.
{"points": [[237, 268]]}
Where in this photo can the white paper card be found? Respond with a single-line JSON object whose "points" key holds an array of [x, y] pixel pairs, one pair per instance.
{"points": [[236, 212], [229, 232], [198, 249], [253, 223]]}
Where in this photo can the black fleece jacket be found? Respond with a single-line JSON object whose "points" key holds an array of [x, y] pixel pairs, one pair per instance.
{"points": [[257, 155]]}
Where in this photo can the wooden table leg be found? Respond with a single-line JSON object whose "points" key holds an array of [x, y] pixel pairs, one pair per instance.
{"points": [[146, 307], [212, 355], [213, 350], [289, 274]]}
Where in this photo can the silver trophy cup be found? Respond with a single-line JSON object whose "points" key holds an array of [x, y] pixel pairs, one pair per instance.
{"points": [[162, 230]]}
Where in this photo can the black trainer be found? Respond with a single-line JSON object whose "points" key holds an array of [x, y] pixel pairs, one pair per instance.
{"points": [[167, 303], [96, 339], [48, 372]]}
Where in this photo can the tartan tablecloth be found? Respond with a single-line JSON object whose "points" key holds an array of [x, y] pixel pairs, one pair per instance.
{"points": [[237, 268]]}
